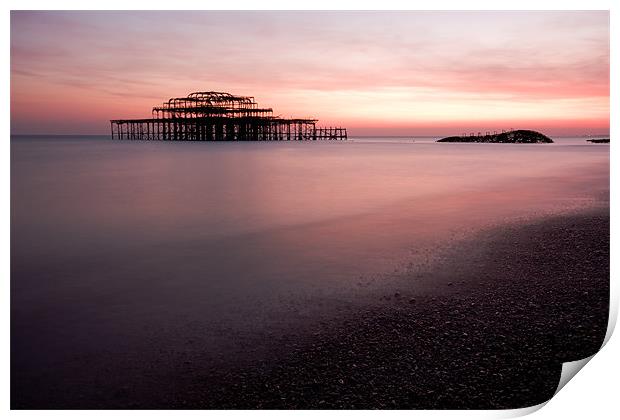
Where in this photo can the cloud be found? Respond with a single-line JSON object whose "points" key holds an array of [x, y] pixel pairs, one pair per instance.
{"points": [[94, 60]]}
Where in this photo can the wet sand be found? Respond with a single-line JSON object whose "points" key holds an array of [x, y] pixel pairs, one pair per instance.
{"points": [[487, 325], [508, 307], [137, 283]]}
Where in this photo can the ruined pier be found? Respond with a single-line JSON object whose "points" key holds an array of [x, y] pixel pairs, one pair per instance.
{"points": [[219, 116]]}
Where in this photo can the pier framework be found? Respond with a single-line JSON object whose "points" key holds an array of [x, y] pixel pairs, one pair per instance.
{"points": [[219, 116]]}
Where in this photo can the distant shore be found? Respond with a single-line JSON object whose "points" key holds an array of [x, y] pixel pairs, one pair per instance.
{"points": [[511, 305]]}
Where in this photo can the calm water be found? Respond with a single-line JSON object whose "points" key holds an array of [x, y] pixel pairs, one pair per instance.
{"points": [[130, 255]]}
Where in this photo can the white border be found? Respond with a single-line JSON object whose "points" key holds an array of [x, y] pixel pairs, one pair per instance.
{"points": [[312, 5], [592, 393]]}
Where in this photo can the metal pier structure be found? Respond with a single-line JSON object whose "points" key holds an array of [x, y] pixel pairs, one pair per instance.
{"points": [[219, 116]]}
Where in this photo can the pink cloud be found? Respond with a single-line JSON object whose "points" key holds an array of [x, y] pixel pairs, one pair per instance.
{"points": [[84, 68]]}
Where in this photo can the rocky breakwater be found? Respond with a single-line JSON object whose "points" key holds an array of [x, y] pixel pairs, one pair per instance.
{"points": [[516, 136]]}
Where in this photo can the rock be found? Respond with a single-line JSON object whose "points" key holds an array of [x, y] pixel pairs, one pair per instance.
{"points": [[516, 136]]}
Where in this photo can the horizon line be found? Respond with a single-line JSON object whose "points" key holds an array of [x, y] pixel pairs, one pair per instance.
{"points": [[350, 135]]}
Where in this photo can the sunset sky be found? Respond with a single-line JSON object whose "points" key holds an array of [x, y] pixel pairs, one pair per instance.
{"points": [[390, 73]]}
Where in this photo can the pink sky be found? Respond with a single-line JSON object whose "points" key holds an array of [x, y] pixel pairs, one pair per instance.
{"points": [[376, 73]]}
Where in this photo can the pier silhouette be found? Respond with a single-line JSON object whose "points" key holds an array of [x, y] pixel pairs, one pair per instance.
{"points": [[220, 116]]}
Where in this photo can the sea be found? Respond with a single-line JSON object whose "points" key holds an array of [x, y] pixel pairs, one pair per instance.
{"points": [[133, 262]]}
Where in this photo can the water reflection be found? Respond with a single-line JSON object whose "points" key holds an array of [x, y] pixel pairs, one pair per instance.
{"points": [[126, 253]]}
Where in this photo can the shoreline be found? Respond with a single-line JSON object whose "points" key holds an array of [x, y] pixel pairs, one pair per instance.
{"points": [[486, 325], [505, 315]]}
